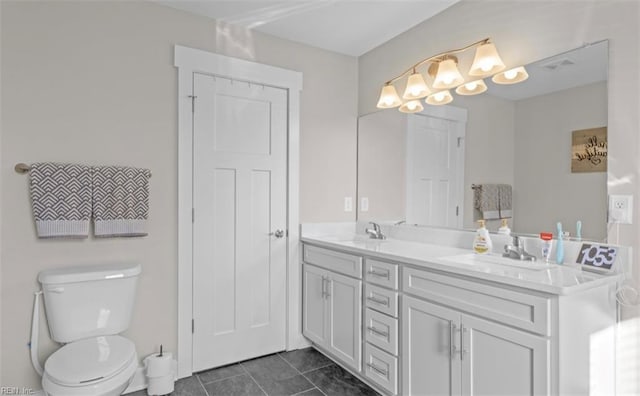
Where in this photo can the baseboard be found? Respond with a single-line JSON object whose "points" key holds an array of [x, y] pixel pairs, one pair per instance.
{"points": [[299, 343]]}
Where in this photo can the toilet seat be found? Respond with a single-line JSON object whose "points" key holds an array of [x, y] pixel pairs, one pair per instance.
{"points": [[90, 361]]}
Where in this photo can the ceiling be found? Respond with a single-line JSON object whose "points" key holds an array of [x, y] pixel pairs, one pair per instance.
{"points": [[350, 27]]}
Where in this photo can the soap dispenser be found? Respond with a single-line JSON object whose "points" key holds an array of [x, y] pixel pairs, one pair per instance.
{"points": [[482, 242], [504, 228]]}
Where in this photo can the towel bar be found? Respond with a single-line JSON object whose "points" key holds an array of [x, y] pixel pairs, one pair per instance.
{"points": [[21, 167]]}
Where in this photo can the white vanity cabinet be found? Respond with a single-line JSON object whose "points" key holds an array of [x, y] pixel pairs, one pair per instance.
{"points": [[332, 303], [424, 330], [445, 352]]}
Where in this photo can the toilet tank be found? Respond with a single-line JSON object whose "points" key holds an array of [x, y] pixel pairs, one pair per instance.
{"points": [[89, 301]]}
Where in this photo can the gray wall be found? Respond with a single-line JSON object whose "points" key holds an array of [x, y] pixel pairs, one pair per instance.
{"points": [[94, 83]]}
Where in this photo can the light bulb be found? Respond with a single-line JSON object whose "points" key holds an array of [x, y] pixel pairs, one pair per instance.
{"points": [[439, 96], [510, 74], [471, 85], [388, 101], [486, 66]]}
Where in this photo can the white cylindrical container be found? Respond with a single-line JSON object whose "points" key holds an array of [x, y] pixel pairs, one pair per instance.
{"points": [[160, 375]]}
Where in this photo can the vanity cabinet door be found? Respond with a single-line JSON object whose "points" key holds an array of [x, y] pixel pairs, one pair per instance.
{"points": [[313, 312], [332, 314], [430, 361], [498, 360], [345, 319]]}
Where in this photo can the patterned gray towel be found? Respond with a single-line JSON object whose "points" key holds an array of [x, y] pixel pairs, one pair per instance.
{"points": [[120, 201], [504, 196], [486, 201], [61, 199]]}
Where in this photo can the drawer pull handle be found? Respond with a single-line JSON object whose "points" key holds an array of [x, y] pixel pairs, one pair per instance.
{"points": [[379, 274], [378, 301], [377, 332], [378, 369]]}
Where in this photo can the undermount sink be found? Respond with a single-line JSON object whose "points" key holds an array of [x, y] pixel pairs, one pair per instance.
{"points": [[356, 238], [493, 261]]}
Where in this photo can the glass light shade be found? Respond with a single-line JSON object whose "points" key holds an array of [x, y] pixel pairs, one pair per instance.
{"points": [[416, 87], [412, 106], [439, 98], [511, 76], [448, 75], [487, 61], [388, 98], [472, 88]]}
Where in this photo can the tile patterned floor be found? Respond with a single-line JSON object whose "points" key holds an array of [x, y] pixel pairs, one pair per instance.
{"points": [[304, 372]]}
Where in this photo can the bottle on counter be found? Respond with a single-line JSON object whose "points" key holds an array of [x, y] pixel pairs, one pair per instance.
{"points": [[482, 242], [504, 228]]}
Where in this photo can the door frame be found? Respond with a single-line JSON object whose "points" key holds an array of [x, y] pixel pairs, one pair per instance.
{"points": [[190, 61]]}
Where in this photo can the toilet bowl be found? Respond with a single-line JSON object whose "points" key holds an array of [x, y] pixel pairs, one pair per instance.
{"points": [[99, 366]]}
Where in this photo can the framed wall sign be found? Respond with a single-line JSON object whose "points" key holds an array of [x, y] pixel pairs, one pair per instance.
{"points": [[589, 150]]}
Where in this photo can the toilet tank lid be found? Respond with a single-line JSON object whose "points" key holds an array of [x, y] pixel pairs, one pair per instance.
{"points": [[83, 273]]}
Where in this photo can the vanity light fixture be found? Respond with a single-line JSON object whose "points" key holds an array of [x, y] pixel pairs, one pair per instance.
{"points": [[412, 106], [439, 98], [445, 73], [511, 76], [389, 97], [416, 87], [472, 88]]}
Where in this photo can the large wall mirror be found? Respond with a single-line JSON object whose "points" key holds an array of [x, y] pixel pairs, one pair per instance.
{"points": [[519, 135]]}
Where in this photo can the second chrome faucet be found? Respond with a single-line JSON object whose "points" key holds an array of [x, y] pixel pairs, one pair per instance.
{"points": [[516, 251]]}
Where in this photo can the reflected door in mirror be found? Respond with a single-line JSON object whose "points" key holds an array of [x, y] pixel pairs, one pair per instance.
{"points": [[435, 167]]}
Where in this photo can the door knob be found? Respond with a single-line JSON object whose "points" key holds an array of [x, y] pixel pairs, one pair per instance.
{"points": [[278, 233]]}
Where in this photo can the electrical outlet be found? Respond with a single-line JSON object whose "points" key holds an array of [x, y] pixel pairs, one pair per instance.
{"points": [[348, 204], [364, 204], [620, 209]]}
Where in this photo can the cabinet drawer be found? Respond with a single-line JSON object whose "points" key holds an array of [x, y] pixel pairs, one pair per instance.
{"points": [[335, 261], [382, 300], [381, 368], [381, 273], [381, 331], [526, 311]]}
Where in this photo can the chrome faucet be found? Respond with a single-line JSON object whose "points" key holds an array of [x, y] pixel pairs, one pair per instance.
{"points": [[375, 233], [516, 251]]}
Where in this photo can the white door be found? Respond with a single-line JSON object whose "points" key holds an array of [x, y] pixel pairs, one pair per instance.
{"points": [[503, 361], [239, 198], [434, 171], [345, 319], [314, 306], [430, 349]]}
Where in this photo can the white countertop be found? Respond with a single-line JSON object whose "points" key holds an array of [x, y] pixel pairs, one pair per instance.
{"points": [[539, 276]]}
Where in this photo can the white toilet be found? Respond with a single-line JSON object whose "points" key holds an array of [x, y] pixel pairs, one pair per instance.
{"points": [[86, 308]]}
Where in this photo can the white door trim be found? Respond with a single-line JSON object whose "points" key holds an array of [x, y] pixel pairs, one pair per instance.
{"points": [[189, 61]]}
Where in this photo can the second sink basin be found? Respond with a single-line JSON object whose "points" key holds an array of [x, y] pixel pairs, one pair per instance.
{"points": [[495, 261]]}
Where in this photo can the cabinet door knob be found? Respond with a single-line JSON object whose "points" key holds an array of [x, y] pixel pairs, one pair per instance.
{"points": [[278, 233]]}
